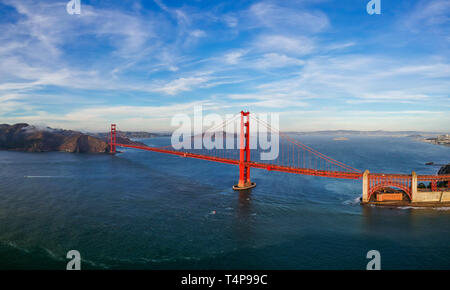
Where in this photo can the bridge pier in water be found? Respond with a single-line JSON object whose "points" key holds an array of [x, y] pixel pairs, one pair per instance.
{"points": [[374, 182], [244, 154], [371, 183]]}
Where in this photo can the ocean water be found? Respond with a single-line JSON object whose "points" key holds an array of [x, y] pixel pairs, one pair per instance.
{"points": [[145, 210]]}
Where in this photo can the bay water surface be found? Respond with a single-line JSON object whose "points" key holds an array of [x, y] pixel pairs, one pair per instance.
{"points": [[146, 210]]}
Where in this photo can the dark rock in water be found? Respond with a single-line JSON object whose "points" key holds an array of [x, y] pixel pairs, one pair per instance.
{"points": [[444, 169], [23, 137]]}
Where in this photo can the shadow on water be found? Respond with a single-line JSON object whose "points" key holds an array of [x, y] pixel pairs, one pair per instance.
{"points": [[243, 228], [387, 219], [244, 208]]}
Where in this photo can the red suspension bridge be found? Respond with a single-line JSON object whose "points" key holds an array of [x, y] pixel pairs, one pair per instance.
{"points": [[294, 157]]}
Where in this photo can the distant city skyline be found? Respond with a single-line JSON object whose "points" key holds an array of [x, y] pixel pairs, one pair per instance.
{"points": [[320, 64]]}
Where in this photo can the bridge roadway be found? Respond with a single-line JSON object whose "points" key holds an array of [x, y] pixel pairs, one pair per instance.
{"points": [[260, 165], [295, 170]]}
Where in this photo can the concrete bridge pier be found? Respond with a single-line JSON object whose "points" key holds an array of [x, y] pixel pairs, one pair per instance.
{"points": [[365, 186], [413, 187]]}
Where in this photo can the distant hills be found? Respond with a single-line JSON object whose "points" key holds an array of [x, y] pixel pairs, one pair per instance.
{"points": [[369, 133], [416, 134], [24, 137]]}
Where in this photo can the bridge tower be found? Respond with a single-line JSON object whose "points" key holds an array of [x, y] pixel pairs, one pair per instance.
{"points": [[244, 154], [112, 144]]}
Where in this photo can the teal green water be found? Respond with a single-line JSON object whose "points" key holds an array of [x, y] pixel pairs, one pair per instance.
{"points": [[144, 210]]}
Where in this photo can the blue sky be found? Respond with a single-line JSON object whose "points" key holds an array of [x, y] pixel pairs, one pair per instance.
{"points": [[321, 64]]}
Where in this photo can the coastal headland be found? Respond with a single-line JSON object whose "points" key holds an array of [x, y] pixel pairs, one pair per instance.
{"points": [[28, 138]]}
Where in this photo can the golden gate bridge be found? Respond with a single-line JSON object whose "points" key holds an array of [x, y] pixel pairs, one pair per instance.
{"points": [[294, 157]]}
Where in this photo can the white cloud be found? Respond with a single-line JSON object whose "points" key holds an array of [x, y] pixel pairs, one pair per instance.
{"points": [[398, 97], [182, 84], [230, 20], [389, 120], [234, 57], [275, 60], [198, 33], [38, 45], [340, 46], [279, 18], [429, 13], [284, 44], [357, 79], [127, 117]]}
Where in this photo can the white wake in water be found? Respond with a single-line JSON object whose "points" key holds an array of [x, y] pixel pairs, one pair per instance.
{"points": [[423, 207], [45, 176], [354, 201]]}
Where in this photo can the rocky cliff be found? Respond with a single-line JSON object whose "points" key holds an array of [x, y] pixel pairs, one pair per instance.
{"points": [[444, 169], [23, 137]]}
